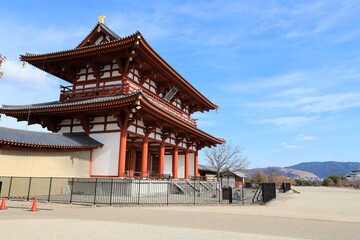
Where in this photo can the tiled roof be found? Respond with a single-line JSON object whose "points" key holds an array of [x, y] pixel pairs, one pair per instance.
{"points": [[111, 32], [212, 169], [104, 28], [119, 41], [25, 138], [240, 174], [206, 168], [65, 104]]}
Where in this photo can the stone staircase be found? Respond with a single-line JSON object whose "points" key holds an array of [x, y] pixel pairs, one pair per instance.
{"points": [[191, 187]]}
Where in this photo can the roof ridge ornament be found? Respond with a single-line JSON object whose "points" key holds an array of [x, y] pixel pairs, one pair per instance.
{"points": [[101, 19]]}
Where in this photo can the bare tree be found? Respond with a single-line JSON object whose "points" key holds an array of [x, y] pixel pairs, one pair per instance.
{"points": [[259, 177], [225, 158], [271, 174], [2, 60]]}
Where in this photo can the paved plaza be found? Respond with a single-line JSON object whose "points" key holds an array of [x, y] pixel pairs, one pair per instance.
{"points": [[315, 213]]}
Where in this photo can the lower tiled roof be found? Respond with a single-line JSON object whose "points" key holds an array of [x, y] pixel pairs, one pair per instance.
{"points": [[25, 138], [66, 104]]}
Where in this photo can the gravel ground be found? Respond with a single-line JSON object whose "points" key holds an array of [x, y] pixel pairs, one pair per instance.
{"points": [[315, 213]]}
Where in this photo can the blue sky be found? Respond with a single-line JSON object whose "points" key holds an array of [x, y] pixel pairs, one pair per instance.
{"points": [[285, 74]]}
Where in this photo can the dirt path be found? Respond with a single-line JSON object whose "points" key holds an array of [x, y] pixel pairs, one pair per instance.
{"points": [[315, 213]]}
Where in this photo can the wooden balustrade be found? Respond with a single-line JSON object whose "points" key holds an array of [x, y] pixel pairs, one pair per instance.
{"points": [[69, 93]]}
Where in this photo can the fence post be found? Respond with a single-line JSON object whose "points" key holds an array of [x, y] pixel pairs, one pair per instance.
{"points": [[242, 195], [50, 189], [218, 186], [28, 195], [167, 191], [96, 180], [139, 191], [194, 192], [230, 195], [11, 178], [111, 190], [71, 191]]}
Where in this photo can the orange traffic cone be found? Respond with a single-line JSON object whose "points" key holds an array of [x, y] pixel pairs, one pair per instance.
{"points": [[33, 208], [2, 206]]}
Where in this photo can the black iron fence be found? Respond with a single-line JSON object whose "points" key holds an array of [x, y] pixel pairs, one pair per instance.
{"points": [[285, 187], [112, 190], [122, 191], [264, 193], [268, 192]]}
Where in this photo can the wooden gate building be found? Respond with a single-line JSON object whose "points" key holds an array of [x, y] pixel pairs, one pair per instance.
{"points": [[122, 94]]}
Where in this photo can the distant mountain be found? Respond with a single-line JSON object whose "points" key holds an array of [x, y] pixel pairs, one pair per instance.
{"points": [[289, 172], [325, 169]]}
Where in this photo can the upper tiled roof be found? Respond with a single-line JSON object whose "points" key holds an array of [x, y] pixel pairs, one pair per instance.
{"points": [[100, 27], [24, 138]]}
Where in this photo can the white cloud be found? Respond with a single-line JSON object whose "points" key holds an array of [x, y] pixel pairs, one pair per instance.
{"points": [[290, 146], [26, 77], [287, 121], [306, 137], [329, 102]]}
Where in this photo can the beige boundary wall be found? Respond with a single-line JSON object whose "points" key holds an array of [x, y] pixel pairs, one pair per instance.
{"points": [[44, 164]]}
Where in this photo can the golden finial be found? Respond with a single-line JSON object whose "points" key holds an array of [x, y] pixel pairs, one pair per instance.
{"points": [[101, 19]]}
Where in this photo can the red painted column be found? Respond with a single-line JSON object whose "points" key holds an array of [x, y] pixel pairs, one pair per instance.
{"points": [[196, 163], [144, 161], [175, 162], [122, 154], [131, 162], [162, 158], [187, 164]]}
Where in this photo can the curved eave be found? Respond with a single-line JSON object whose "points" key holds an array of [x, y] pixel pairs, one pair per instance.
{"points": [[159, 112], [83, 51], [31, 145], [152, 54], [92, 104]]}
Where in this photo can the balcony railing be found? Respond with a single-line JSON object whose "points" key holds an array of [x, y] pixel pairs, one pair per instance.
{"points": [[172, 109], [69, 93]]}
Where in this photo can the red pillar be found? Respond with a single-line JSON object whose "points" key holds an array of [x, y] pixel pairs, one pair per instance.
{"points": [[196, 163], [187, 164], [131, 162], [162, 158], [122, 154], [144, 161], [175, 162]]}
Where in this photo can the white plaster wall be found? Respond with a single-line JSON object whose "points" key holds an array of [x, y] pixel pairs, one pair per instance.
{"points": [[112, 126], [132, 128], [99, 119], [191, 163], [181, 166], [115, 73], [105, 160], [78, 129], [65, 122], [64, 130], [168, 164], [99, 127]]}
